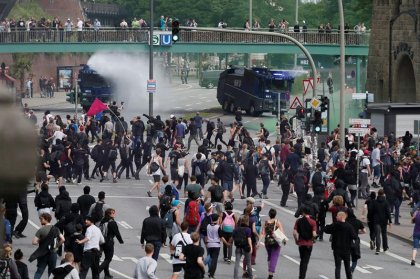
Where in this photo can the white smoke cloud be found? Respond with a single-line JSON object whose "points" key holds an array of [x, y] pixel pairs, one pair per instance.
{"points": [[129, 73]]}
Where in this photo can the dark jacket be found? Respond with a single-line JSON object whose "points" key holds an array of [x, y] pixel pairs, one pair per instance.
{"points": [[62, 204], [342, 236], [22, 269], [44, 195], [380, 211], [85, 202], [113, 231], [153, 228]]}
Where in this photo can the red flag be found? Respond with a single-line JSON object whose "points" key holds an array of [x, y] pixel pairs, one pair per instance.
{"points": [[96, 107]]}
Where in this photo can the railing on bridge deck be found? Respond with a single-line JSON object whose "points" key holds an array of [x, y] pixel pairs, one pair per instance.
{"points": [[114, 35]]}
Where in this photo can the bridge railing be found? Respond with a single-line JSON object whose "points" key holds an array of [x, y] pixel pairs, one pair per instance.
{"points": [[114, 35]]}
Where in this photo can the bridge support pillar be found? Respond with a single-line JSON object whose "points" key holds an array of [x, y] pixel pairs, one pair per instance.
{"points": [[358, 73]]}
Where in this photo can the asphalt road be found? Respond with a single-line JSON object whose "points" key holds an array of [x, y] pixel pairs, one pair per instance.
{"points": [[130, 200]]}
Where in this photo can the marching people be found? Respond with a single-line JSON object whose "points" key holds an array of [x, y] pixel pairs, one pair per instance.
{"points": [[146, 266], [153, 231]]}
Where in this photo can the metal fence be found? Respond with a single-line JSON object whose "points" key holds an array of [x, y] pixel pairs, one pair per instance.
{"points": [[114, 35]]}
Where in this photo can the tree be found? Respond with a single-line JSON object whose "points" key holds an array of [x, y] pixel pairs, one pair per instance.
{"points": [[22, 64]]}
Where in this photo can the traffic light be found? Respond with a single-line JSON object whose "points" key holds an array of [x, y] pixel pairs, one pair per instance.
{"points": [[317, 122], [175, 31], [300, 113], [324, 104], [330, 84]]}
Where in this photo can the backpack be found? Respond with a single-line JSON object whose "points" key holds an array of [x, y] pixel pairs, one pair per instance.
{"points": [[165, 202], [268, 153], [263, 168], [197, 169], [70, 228], [266, 133], [207, 220], [228, 223], [257, 217], [97, 213], [285, 178], [62, 271], [5, 269], [317, 179], [94, 154], [179, 247], [169, 219], [304, 229], [239, 238], [44, 201], [112, 155], [104, 228], [218, 193], [193, 215], [154, 167]]}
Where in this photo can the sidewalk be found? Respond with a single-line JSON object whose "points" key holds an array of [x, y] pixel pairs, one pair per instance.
{"points": [[403, 232], [38, 102]]}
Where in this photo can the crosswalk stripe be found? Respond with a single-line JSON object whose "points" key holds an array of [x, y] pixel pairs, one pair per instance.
{"points": [[166, 257]]}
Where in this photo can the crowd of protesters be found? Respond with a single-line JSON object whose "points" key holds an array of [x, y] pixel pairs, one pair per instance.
{"points": [[227, 161]]}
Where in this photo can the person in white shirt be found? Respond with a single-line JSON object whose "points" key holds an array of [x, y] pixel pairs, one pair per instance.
{"points": [[66, 269], [376, 164], [79, 30], [91, 253], [57, 135], [365, 173], [178, 241], [146, 266]]}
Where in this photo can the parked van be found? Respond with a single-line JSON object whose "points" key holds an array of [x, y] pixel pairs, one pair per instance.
{"points": [[209, 79]]}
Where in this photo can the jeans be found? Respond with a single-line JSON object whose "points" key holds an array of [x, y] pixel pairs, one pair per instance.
{"points": [[156, 245], [239, 252], [266, 182], [345, 257], [380, 229], [108, 249], [214, 255], [397, 204], [273, 253], [305, 255], [49, 260], [90, 260]]}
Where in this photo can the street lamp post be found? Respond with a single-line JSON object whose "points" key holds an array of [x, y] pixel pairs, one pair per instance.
{"points": [[250, 14], [342, 74], [151, 57]]}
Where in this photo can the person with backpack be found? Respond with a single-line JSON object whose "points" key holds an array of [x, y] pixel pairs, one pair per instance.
{"points": [[271, 245], [216, 196], [97, 210], [193, 211], [177, 244], [317, 181], [359, 229], [228, 174], [220, 130], [173, 220], [228, 226], [241, 236], [350, 179], [110, 156], [49, 239], [213, 241], [66, 270], [8, 267], [97, 154], [285, 180], [304, 233], [156, 169], [79, 154], [265, 167], [205, 219], [198, 168], [44, 201], [172, 159], [109, 230], [153, 231], [271, 155]]}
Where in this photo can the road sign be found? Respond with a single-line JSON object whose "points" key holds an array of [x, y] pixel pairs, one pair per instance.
{"points": [[359, 121], [156, 40], [362, 96], [166, 39], [360, 131], [151, 85], [315, 103], [306, 84], [296, 103]]}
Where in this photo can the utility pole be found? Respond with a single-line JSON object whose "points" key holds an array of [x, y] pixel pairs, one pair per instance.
{"points": [[151, 57]]}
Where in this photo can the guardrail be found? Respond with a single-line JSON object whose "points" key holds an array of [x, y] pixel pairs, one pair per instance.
{"points": [[118, 35]]}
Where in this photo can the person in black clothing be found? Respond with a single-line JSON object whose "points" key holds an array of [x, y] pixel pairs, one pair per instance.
{"points": [[121, 128], [161, 144], [126, 162], [23, 206], [44, 201], [85, 201], [79, 161], [343, 235], [381, 217], [359, 229], [67, 224], [153, 231], [147, 155], [137, 130], [238, 116], [311, 205], [350, 179], [250, 175], [11, 210], [62, 203], [97, 154], [110, 156], [340, 190], [193, 255], [108, 247], [210, 128], [192, 129], [21, 266]]}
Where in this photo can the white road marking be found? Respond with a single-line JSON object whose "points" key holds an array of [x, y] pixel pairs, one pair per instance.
{"points": [[116, 258], [166, 257], [323, 276], [126, 224], [199, 103], [29, 221], [120, 274], [134, 260], [188, 105], [151, 181], [291, 259], [363, 270], [373, 267]]}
